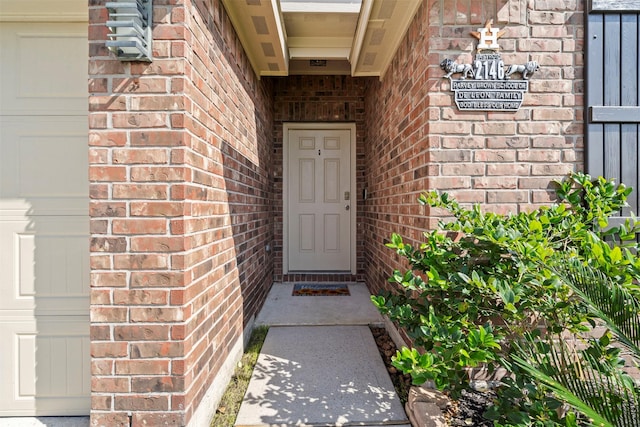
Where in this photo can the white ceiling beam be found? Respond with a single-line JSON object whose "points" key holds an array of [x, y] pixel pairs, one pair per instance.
{"points": [[319, 53], [320, 7], [282, 32], [319, 42]]}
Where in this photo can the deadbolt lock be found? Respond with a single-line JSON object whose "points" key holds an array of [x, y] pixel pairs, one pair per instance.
{"points": [[347, 195]]}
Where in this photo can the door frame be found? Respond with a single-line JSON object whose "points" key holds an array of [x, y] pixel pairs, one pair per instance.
{"points": [[285, 186]]}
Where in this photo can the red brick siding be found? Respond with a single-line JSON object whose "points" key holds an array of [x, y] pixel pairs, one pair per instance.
{"points": [[318, 99], [181, 212], [186, 176], [417, 140]]}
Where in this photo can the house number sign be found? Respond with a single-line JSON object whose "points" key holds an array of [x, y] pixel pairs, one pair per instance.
{"points": [[487, 84]]}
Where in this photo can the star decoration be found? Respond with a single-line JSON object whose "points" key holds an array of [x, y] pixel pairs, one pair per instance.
{"points": [[488, 27]]}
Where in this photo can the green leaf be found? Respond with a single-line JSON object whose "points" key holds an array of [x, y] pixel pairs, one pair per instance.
{"points": [[535, 226], [463, 307], [475, 277], [479, 356], [615, 255], [378, 301], [464, 277], [508, 296], [510, 308]]}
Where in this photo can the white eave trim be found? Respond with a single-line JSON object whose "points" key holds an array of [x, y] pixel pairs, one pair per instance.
{"points": [[245, 30], [361, 30], [400, 34]]}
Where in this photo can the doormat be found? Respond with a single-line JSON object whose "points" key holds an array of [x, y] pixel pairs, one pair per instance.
{"points": [[319, 289]]}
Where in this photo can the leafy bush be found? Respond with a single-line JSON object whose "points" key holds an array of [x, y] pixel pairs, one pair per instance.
{"points": [[481, 282]]}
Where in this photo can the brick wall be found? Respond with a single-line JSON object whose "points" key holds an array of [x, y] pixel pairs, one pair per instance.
{"points": [[186, 176], [418, 140], [181, 212], [318, 99]]}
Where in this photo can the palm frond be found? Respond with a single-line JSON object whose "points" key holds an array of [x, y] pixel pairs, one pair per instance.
{"points": [[606, 299], [605, 398]]}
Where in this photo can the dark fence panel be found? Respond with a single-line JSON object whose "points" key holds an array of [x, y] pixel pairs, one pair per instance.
{"points": [[613, 94]]}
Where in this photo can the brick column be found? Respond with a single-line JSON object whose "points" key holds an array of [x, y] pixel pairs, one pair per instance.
{"points": [[138, 244], [181, 199]]}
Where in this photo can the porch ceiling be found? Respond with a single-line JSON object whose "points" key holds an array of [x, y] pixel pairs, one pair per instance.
{"points": [[356, 37]]}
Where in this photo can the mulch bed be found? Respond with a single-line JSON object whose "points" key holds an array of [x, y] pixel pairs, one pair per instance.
{"points": [[468, 410], [387, 349]]}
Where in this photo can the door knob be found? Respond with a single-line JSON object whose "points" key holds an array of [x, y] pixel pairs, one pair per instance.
{"points": [[346, 207]]}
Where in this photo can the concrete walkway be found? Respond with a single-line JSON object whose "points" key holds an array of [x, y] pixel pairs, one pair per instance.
{"points": [[319, 365]]}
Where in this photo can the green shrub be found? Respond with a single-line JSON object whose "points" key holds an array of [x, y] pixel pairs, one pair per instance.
{"points": [[482, 281]]}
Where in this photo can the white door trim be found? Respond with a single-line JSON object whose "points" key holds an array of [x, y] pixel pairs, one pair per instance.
{"points": [[285, 170]]}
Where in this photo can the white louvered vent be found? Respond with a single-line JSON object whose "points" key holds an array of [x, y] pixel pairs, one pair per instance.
{"points": [[130, 23]]}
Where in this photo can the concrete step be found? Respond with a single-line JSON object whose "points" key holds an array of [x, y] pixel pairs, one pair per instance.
{"points": [[283, 309]]}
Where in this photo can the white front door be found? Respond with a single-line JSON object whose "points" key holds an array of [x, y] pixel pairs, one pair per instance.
{"points": [[44, 219], [319, 200]]}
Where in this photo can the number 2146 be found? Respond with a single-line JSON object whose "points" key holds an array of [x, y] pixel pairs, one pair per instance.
{"points": [[485, 70]]}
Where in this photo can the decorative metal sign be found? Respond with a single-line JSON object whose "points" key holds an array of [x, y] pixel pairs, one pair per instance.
{"points": [[486, 85]]}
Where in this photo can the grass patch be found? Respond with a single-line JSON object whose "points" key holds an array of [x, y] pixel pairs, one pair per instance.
{"points": [[232, 399]]}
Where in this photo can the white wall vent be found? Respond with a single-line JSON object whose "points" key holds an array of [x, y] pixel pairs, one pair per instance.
{"points": [[130, 23]]}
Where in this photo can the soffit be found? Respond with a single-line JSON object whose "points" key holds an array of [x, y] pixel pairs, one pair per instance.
{"points": [[356, 37]]}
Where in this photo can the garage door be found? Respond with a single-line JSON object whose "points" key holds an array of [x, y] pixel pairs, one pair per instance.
{"points": [[44, 227]]}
